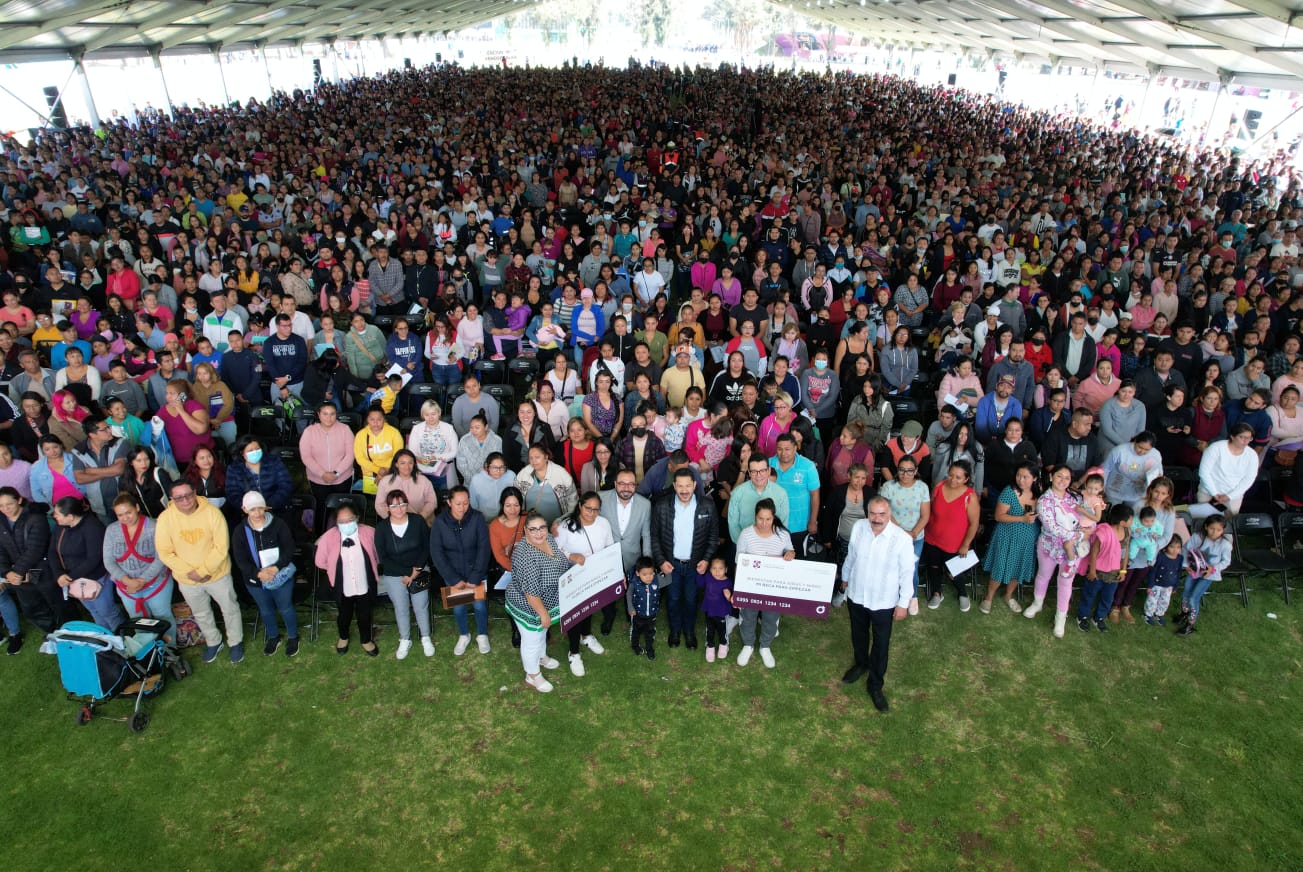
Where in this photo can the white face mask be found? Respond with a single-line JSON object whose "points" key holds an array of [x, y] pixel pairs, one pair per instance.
{"points": [[348, 528]]}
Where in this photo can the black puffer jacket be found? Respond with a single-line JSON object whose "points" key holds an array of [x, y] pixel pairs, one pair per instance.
{"points": [[705, 529], [24, 543]]}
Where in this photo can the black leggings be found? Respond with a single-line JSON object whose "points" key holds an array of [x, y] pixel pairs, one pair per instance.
{"points": [[715, 632], [934, 562], [361, 606]]}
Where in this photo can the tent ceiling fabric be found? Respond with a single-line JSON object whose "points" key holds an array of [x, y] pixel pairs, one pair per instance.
{"points": [[1240, 40]]}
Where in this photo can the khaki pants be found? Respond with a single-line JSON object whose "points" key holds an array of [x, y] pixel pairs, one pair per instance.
{"points": [[200, 598]]}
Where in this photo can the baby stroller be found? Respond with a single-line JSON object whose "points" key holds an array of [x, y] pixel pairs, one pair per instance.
{"points": [[97, 665]]}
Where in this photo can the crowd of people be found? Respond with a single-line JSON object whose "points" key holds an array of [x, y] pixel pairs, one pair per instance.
{"points": [[825, 317]]}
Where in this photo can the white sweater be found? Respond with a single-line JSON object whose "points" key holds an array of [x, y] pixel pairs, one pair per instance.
{"points": [[1221, 472]]}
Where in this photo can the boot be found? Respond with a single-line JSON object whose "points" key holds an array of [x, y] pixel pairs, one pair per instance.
{"points": [[1127, 617], [1060, 621], [1034, 609], [1114, 615]]}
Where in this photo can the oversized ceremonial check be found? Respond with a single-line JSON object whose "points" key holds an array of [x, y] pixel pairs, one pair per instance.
{"points": [[585, 589], [792, 587]]}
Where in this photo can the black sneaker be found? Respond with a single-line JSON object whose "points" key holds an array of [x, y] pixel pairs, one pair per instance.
{"points": [[1186, 630], [272, 644], [1101, 625], [15, 644], [674, 639], [637, 650], [291, 646], [651, 653], [1083, 624]]}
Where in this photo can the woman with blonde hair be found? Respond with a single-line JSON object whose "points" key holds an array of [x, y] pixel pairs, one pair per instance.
{"points": [[213, 394]]}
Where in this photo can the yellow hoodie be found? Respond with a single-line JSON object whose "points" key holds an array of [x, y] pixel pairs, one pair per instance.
{"points": [[199, 542]]}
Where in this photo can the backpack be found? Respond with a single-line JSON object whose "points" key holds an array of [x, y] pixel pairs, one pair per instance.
{"points": [[187, 628]]}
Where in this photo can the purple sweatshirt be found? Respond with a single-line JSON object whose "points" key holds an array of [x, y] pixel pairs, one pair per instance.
{"points": [[713, 602]]}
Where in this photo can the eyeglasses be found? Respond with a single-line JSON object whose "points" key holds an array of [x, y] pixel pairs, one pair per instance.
{"points": [[905, 471], [536, 529], [183, 498], [591, 508], [398, 505]]}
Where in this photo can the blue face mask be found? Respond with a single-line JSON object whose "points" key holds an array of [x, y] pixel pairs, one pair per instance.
{"points": [[821, 365], [254, 456], [348, 528]]}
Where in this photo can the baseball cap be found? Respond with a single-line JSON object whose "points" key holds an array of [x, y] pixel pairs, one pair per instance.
{"points": [[253, 500]]}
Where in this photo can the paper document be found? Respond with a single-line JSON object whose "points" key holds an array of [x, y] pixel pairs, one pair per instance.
{"points": [[957, 566]]}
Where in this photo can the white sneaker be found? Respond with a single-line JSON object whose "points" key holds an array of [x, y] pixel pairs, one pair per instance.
{"points": [[539, 683], [576, 665], [767, 658], [591, 643], [965, 604], [427, 645], [463, 642], [936, 601], [404, 648], [744, 656], [549, 662], [483, 643]]}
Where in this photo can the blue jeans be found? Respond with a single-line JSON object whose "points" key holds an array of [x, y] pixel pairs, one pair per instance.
{"points": [[918, 557], [271, 602], [1195, 588], [446, 374], [158, 606], [683, 597], [481, 618], [226, 432], [9, 612], [1090, 592], [104, 609]]}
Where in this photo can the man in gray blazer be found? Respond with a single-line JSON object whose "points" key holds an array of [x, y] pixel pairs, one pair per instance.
{"points": [[629, 515]]}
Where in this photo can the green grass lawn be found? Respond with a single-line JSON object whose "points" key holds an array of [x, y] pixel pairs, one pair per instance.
{"points": [[1004, 749]]}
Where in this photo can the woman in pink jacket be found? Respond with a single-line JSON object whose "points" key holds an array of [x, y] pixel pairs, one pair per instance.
{"points": [[347, 551], [326, 449]]}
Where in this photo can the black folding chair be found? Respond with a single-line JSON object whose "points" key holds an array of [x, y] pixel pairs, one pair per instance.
{"points": [[1259, 549], [1291, 543], [416, 396], [1184, 483], [266, 423]]}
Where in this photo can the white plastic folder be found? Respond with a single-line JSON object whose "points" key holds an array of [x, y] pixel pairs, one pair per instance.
{"points": [[957, 566]]}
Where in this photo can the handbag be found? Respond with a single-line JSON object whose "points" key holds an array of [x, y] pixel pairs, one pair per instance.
{"points": [[85, 589], [282, 575], [420, 582]]}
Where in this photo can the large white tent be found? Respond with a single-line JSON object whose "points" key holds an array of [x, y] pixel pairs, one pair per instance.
{"points": [[1249, 42]]}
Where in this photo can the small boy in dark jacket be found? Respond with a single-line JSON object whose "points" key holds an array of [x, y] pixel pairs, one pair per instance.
{"points": [[644, 600]]}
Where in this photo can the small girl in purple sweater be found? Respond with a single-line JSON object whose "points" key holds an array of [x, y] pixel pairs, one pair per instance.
{"points": [[717, 604]]}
